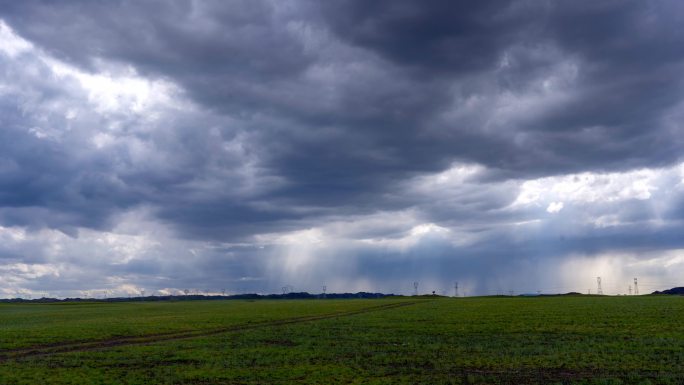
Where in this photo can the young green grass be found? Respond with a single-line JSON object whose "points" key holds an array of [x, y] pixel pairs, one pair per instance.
{"points": [[584, 340], [23, 325]]}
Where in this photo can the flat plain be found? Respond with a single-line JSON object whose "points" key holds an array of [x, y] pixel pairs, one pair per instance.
{"points": [[413, 340]]}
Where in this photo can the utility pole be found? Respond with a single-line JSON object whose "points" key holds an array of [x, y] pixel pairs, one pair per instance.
{"points": [[636, 288]]}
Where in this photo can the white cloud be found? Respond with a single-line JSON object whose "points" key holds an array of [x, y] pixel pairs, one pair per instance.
{"points": [[26, 271], [591, 187], [11, 44], [124, 91], [554, 207], [450, 179]]}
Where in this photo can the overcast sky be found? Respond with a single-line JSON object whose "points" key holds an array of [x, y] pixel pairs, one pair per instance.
{"points": [[363, 145]]}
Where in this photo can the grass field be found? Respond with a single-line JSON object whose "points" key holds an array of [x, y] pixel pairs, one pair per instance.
{"points": [[540, 340]]}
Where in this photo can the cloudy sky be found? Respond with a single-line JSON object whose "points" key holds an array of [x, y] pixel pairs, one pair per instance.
{"points": [[249, 145]]}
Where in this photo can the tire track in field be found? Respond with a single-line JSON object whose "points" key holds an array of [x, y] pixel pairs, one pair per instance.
{"points": [[68, 347]]}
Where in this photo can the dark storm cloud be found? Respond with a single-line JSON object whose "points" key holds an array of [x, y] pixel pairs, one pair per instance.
{"points": [[627, 56], [292, 116], [437, 37], [403, 64], [44, 183]]}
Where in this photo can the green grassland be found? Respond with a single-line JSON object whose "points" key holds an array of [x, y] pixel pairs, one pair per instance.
{"points": [[488, 340], [23, 325]]}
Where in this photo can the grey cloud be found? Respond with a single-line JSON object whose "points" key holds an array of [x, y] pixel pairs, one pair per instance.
{"points": [[438, 37], [382, 118], [293, 116], [626, 53]]}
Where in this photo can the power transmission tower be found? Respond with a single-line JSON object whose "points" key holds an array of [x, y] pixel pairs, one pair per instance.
{"points": [[456, 289], [324, 290], [510, 292], [636, 288], [599, 291], [630, 289], [415, 288], [223, 292]]}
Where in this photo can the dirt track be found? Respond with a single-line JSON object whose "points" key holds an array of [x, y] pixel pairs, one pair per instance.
{"points": [[67, 347]]}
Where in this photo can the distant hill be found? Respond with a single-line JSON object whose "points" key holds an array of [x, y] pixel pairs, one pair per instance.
{"points": [[673, 291], [192, 297]]}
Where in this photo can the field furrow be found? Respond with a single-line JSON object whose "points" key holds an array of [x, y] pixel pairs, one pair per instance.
{"points": [[42, 350]]}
